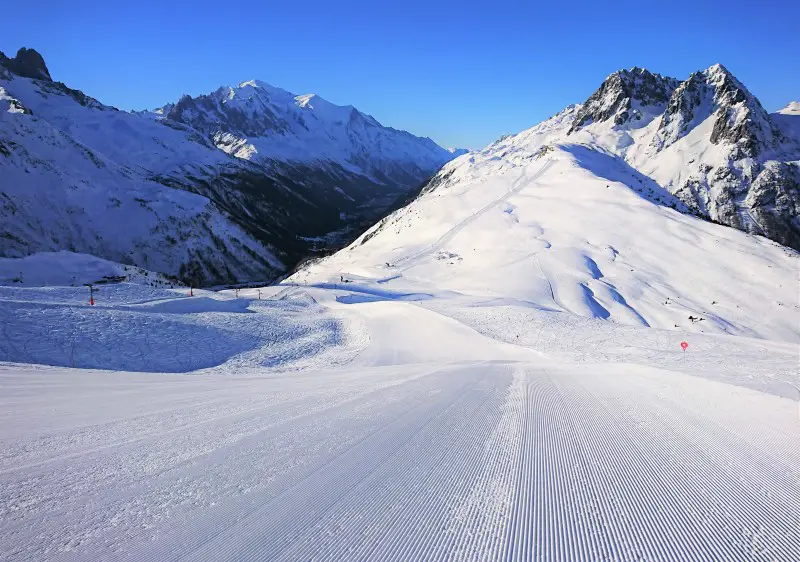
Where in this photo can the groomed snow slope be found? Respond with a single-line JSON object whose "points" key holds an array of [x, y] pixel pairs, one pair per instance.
{"points": [[431, 442]]}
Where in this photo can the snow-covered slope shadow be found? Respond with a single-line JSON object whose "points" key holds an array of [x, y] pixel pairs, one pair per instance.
{"points": [[139, 328], [608, 166]]}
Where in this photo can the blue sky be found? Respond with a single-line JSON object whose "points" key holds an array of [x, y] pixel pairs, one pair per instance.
{"points": [[463, 72]]}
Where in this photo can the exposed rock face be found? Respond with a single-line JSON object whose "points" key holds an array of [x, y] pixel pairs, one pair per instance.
{"points": [[27, 63], [622, 96], [774, 198], [710, 142], [209, 115]]}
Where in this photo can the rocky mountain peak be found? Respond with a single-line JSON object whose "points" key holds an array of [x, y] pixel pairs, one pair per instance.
{"points": [[264, 124], [728, 90], [228, 111], [792, 108], [739, 118], [623, 96], [28, 63]]}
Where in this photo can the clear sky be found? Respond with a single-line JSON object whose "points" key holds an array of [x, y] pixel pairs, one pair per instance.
{"points": [[462, 72]]}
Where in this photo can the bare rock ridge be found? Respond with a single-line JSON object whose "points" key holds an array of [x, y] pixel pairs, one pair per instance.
{"points": [[622, 97], [28, 63]]}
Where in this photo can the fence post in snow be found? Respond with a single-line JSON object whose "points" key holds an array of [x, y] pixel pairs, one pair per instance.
{"points": [[91, 293]]}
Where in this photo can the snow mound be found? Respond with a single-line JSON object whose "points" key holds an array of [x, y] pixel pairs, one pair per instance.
{"points": [[792, 108]]}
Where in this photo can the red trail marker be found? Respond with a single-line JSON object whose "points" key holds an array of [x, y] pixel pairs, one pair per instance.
{"points": [[684, 345]]}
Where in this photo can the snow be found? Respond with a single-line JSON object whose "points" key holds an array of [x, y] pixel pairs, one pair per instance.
{"points": [[82, 177], [10, 104], [145, 189], [159, 328], [429, 441], [576, 230], [792, 108], [788, 119], [137, 143], [68, 268], [306, 129]]}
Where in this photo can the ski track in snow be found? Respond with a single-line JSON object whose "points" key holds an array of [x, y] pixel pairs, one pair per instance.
{"points": [[399, 453], [520, 183]]}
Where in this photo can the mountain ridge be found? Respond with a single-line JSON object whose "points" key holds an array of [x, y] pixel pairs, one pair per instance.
{"points": [[625, 217], [745, 177], [260, 122], [75, 170]]}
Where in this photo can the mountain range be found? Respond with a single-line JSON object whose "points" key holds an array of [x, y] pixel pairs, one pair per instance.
{"points": [[707, 140], [237, 185], [244, 183]]}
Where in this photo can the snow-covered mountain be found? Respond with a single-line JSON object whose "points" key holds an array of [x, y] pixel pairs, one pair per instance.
{"points": [[261, 123], [456, 152], [179, 192], [707, 140], [602, 212]]}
